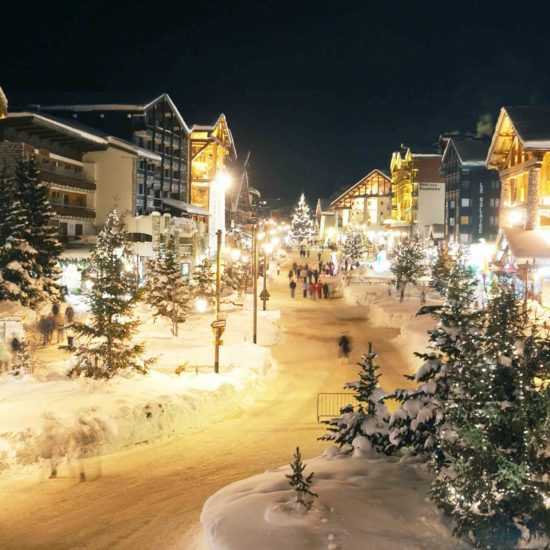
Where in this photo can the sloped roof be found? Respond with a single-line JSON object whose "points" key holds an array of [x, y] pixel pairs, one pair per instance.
{"points": [[362, 181], [470, 151], [528, 244]]}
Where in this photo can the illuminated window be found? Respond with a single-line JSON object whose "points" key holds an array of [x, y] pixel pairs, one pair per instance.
{"points": [[465, 202], [464, 220]]}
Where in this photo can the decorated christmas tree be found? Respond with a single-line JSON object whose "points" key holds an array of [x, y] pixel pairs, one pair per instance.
{"points": [[407, 263], [108, 346], [494, 482], [441, 269], [365, 426], [417, 423], [353, 246], [300, 483], [165, 290], [302, 227]]}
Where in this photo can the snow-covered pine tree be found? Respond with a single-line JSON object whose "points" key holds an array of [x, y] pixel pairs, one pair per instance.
{"points": [[302, 227], [238, 276], [417, 423], [353, 245], [364, 427], [166, 291], [20, 272], [494, 484], [109, 346], [407, 263], [6, 204], [300, 483], [441, 269], [42, 235], [204, 282]]}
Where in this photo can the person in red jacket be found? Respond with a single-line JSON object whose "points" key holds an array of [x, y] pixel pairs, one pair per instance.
{"points": [[312, 289], [319, 287]]}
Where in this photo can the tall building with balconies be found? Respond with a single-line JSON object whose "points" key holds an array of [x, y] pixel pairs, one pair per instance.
{"points": [[156, 126]]}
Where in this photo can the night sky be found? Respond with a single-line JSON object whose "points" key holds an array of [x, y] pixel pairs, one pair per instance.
{"points": [[319, 92]]}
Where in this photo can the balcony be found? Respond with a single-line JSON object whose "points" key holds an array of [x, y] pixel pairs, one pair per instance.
{"points": [[63, 178], [175, 188], [64, 210]]}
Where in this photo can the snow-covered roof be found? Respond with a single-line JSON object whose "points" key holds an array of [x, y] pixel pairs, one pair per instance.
{"points": [[87, 107], [186, 207], [77, 130], [531, 125], [528, 244], [470, 151]]}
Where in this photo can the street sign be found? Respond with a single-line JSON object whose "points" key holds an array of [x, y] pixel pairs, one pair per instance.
{"points": [[218, 323], [266, 294]]}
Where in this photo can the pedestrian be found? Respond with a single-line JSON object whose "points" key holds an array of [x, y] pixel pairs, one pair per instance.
{"points": [[309, 276], [319, 256], [292, 286], [345, 348], [51, 327], [315, 275], [278, 268], [325, 290], [44, 328], [312, 290], [308, 252], [15, 347], [303, 274], [320, 267], [304, 288], [294, 266], [319, 287]]}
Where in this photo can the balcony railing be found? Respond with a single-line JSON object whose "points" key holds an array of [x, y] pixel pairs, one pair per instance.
{"points": [[50, 176], [72, 210]]}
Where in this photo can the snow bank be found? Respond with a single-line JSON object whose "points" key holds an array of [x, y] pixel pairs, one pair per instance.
{"points": [[364, 503], [58, 418]]}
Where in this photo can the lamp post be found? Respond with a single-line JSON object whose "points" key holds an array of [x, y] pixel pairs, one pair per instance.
{"points": [[255, 282], [268, 248], [217, 325]]}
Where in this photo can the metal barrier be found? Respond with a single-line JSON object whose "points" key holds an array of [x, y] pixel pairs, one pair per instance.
{"points": [[329, 404]]}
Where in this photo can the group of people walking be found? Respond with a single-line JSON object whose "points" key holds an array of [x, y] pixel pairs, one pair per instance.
{"points": [[310, 280]]}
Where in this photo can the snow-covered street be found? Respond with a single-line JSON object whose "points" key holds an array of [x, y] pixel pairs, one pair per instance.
{"points": [[151, 496]]}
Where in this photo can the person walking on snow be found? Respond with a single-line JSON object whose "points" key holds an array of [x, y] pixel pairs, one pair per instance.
{"points": [[290, 274], [325, 290], [292, 286], [345, 348], [319, 287], [311, 289], [315, 276], [304, 288]]}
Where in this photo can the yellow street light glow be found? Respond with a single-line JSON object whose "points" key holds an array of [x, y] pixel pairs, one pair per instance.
{"points": [[268, 248], [235, 254], [224, 179], [261, 236], [201, 305], [245, 259]]}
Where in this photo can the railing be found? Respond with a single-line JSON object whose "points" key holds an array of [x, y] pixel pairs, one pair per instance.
{"points": [[66, 181], [329, 404], [72, 210]]}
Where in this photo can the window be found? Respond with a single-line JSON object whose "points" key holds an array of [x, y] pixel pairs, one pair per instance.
{"points": [[464, 220], [451, 222], [452, 204], [465, 237], [78, 229], [465, 185], [63, 228], [493, 220], [465, 202], [495, 184], [494, 202], [140, 189]]}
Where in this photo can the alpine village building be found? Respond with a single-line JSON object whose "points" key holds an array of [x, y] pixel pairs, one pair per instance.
{"points": [[133, 157], [472, 192]]}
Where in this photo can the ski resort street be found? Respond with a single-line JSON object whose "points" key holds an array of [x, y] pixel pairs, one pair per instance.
{"points": [[151, 496]]}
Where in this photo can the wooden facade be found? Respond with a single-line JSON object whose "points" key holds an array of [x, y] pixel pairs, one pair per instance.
{"points": [[367, 202]]}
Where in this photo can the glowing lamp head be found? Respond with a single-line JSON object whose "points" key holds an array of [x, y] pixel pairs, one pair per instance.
{"points": [[89, 284], [268, 248], [235, 254], [515, 217], [224, 179], [201, 304]]}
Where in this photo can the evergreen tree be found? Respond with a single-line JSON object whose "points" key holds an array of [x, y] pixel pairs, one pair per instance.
{"points": [[204, 280], [112, 299], [364, 427], [354, 244], [441, 269], [302, 228], [42, 235], [238, 276], [407, 263], [300, 483], [418, 421], [494, 484], [6, 204], [165, 290], [20, 272]]}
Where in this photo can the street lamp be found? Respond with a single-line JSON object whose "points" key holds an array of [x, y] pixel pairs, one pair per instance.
{"points": [[268, 248], [201, 304]]}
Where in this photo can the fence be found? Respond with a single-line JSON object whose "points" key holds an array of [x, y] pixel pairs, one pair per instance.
{"points": [[329, 404]]}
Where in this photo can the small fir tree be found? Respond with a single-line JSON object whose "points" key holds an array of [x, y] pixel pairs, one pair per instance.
{"points": [[441, 269], [354, 244], [42, 235], [407, 263], [238, 276], [300, 483], [417, 423], [302, 227], [494, 483], [364, 427], [165, 290], [109, 346], [204, 282]]}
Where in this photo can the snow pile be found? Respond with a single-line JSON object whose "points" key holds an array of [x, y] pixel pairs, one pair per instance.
{"points": [[364, 503], [60, 418]]}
